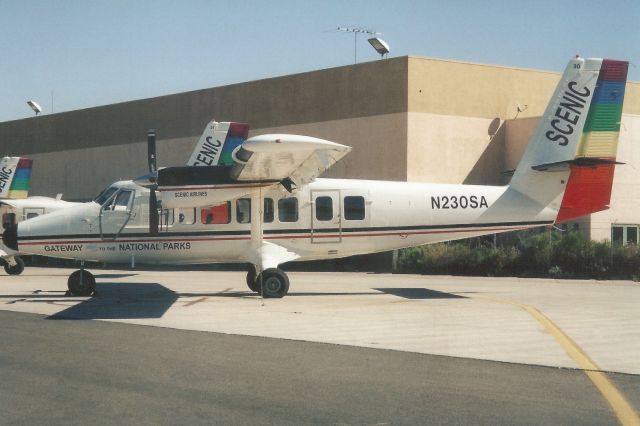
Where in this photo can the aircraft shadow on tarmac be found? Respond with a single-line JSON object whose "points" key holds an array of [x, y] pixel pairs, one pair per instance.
{"points": [[122, 301], [117, 300], [419, 293]]}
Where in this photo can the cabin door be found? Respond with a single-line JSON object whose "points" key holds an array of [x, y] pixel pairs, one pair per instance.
{"points": [[115, 214], [326, 220]]}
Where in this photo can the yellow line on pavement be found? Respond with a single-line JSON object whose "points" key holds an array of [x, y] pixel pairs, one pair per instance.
{"points": [[616, 400]]}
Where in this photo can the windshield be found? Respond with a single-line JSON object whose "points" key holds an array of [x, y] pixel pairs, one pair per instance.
{"points": [[105, 195]]}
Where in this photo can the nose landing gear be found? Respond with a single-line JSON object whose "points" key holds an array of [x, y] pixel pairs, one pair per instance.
{"points": [[15, 269], [81, 283]]}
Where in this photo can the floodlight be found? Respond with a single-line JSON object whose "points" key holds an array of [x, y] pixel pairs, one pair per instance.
{"points": [[34, 106], [380, 45]]}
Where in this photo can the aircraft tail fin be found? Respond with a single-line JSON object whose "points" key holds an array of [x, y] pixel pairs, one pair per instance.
{"points": [[217, 143], [15, 177], [591, 177], [569, 163]]}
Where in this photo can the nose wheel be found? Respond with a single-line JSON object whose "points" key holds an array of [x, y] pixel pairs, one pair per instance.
{"points": [[81, 283], [14, 269]]}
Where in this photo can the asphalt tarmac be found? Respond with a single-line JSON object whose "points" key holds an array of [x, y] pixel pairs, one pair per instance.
{"points": [[196, 347], [92, 372]]}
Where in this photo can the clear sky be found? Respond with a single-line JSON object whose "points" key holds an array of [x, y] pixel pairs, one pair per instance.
{"points": [[90, 52]]}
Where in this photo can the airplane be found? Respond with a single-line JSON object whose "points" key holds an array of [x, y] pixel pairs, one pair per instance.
{"points": [[267, 206], [15, 176]]}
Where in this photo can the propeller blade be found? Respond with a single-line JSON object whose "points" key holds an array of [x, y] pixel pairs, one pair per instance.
{"points": [[154, 217], [151, 153]]}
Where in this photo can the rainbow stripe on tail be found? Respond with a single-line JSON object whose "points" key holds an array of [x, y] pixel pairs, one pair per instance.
{"points": [[15, 176], [216, 145], [591, 179], [21, 180], [236, 136]]}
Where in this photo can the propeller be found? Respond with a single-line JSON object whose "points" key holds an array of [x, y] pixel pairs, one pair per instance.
{"points": [[154, 218], [151, 154]]}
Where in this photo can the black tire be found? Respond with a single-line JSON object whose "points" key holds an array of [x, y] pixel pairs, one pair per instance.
{"points": [[275, 283], [252, 281], [15, 269], [81, 283]]}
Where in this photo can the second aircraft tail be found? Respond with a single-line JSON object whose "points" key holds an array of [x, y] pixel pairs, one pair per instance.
{"points": [[217, 143], [15, 177]]}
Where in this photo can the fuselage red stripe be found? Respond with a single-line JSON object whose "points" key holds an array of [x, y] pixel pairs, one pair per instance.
{"points": [[275, 237]]}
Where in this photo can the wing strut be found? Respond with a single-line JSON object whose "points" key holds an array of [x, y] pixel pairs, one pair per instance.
{"points": [[257, 201]]}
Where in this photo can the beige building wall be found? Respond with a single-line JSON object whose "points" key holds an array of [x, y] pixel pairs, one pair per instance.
{"points": [[450, 149], [477, 90], [468, 89]]}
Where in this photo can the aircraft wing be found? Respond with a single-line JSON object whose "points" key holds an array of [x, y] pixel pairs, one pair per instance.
{"points": [[277, 157], [260, 162]]}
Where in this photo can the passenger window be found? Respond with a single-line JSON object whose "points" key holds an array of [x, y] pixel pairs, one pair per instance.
{"points": [[354, 208], [243, 210], [30, 215], [268, 210], [216, 215], [187, 216], [288, 209], [324, 208], [8, 219]]}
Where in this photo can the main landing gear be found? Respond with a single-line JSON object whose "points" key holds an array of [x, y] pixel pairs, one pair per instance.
{"points": [[15, 269], [272, 282], [81, 283]]}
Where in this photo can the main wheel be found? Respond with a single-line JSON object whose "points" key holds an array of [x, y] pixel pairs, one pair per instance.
{"points": [[252, 282], [15, 269], [275, 283], [81, 283]]}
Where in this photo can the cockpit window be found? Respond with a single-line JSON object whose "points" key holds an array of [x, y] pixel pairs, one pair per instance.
{"points": [[105, 195], [123, 199]]}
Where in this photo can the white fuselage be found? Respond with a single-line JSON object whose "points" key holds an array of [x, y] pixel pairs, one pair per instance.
{"points": [[18, 210], [334, 218]]}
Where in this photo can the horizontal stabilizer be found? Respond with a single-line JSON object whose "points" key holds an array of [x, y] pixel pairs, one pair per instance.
{"points": [[579, 162]]}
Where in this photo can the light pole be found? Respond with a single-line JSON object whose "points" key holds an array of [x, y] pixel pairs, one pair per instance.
{"points": [[355, 31]]}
